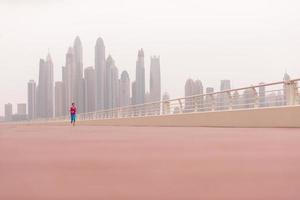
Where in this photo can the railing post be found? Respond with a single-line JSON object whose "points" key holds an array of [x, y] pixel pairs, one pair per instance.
{"points": [[290, 92]]}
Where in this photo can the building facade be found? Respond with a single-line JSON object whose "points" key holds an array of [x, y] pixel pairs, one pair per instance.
{"points": [[124, 89], [90, 79], [45, 89], [8, 111], [31, 99], [21, 109], [155, 79], [60, 99], [140, 78], [100, 68]]}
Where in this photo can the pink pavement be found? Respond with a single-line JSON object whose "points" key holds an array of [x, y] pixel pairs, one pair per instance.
{"points": [[148, 163]]}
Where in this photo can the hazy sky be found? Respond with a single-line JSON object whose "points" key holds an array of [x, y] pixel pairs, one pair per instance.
{"points": [[245, 41]]}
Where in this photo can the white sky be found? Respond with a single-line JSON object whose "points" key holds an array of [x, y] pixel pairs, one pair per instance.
{"points": [[245, 41]]}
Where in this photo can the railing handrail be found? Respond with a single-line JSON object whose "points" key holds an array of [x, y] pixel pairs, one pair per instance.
{"points": [[135, 106], [194, 96]]}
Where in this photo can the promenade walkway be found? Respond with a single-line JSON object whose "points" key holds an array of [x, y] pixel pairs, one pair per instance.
{"points": [[148, 163]]}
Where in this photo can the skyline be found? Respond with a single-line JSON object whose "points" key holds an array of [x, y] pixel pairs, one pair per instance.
{"points": [[240, 43], [91, 89]]}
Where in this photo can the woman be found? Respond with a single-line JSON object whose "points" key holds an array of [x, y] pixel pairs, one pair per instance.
{"points": [[73, 111]]}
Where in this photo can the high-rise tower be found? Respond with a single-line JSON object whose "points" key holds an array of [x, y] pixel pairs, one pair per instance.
{"points": [[45, 89], [189, 91], [124, 89], [60, 101], [155, 79], [108, 83], [31, 99], [223, 99], [100, 73], [140, 78], [90, 79], [8, 111], [69, 77], [79, 84], [115, 86]]}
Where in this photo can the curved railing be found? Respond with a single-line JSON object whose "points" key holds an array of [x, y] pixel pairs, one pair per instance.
{"points": [[282, 93]]}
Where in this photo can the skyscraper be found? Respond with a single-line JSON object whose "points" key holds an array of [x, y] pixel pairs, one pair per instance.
{"points": [[223, 98], [69, 77], [209, 90], [225, 85], [124, 89], [189, 91], [21, 109], [31, 99], [262, 95], [100, 73], [115, 86], [189, 88], [166, 109], [108, 95], [90, 79], [140, 78], [209, 99], [82, 94], [133, 95], [60, 99], [45, 90], [286, 90], [198, 90], [78, 98], [248, 98], [78, 57], [8, 111], [235, 99], [155, 79]]}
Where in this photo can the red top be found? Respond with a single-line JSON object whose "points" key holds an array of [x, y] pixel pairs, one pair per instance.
{"points": [[73, 110]]}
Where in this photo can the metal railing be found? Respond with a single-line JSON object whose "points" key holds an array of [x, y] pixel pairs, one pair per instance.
{"points": [[282, 93]]}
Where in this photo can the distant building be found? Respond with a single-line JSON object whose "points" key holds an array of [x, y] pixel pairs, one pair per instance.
{"points": [[166, 108], [45, 89], [155, 79], [79, 82], [82, 94], [90, 78], [108, 96], [198, 90], [248, 98], [69, 77], [140, 79], [287, 90], [31, 99], [133, 95], [115, 86], [60, 99], [124, 89], [236, 100], [209, 90], [209, 100], [262, 95], [8, 111], [100, 68], [189, 91], [189, 88], [21, 109], [225, 85], [224, 99]]}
